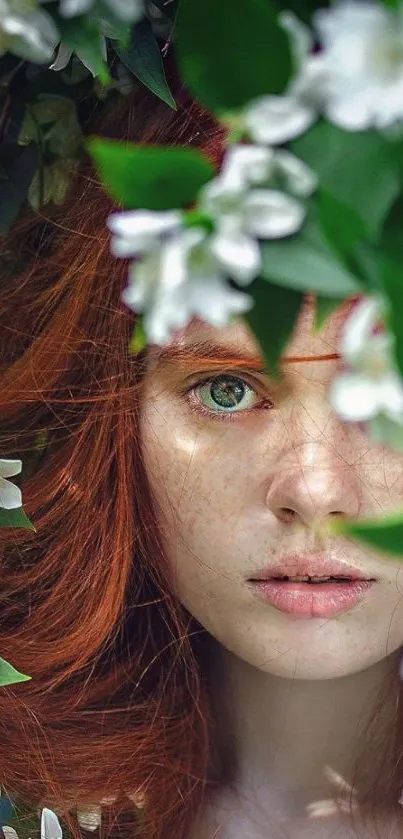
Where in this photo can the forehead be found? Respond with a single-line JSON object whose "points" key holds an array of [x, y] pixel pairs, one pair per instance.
{"points": [[306, 340]]}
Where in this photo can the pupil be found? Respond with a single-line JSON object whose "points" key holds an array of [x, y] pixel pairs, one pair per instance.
{"points": [[227, 391]]}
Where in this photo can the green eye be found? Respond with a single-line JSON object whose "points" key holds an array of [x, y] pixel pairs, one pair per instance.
{"points": [[226, 394]]}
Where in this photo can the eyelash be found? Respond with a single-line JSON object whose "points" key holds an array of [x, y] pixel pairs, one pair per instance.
{"points": [[197, 407]]}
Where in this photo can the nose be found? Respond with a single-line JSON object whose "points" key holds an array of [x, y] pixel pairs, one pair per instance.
{"points": [[312, 484]]}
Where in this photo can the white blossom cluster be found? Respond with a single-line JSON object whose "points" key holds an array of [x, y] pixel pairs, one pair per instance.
{"points": [[28, 30], [371, 389], [355, 79], [182, 271]]}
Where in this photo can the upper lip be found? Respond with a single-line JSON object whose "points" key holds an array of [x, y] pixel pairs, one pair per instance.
{"points": [[311, 566]]}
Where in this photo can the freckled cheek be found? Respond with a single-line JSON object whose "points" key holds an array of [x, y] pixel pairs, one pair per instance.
{"points": [[386, 480], [197, 477]]}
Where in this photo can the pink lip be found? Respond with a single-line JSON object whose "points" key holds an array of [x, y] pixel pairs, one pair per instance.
{"points": [[308, 600], [311, 600]]}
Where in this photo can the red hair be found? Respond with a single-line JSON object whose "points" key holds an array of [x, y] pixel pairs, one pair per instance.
{"points": [[118, 700]]}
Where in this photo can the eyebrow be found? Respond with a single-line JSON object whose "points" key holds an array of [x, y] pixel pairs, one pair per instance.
{"points": [[211, 352]]}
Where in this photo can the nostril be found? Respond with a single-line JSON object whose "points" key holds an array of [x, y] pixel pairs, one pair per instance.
{"points": [[286, 514]]}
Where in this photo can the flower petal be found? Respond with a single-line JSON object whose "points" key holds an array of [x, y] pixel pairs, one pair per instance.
{"points": [[237, 254], [50, 825], [273, 120], [354, 397], [300, 35], [10, 495], [175, 255], [142, 287], [390, 396], [271, 214], [130, 11], [90, 818], [299, 178], [215, 302], [247, 164], [8, 467], [9, 832], [359, 328], [138, 230], [62, 59], [72, 8], [33, 36]]}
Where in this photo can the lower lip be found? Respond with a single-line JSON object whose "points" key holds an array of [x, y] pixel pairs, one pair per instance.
{"points": [[312, 600]]}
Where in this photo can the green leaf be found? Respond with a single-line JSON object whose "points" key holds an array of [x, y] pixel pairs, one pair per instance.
{"points": [[82, 35], [153, 178], [324, 308], [231, 51], [386, 534], [392, 239], [342, 226], [361, 169], [15, 518], [273, 318], [392, 284], [143, 58], [306, 263], [138, 339], [9, 675]]}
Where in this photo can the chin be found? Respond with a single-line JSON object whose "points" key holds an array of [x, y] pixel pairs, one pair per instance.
{"points": [[308, 660]]}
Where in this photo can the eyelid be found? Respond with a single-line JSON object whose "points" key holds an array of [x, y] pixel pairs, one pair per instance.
{"points": [[258, 378]]}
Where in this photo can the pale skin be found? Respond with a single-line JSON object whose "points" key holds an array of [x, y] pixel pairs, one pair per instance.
{"points": [[234, 495]]}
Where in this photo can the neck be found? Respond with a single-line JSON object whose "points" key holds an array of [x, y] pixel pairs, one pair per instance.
{"points": [[285, 732]]}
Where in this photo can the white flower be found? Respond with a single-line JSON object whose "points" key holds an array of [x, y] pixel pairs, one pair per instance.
{"points": [[130, 11], [179, 280], [9, 832], [27, 31], [90, 818], [139, 231], [249, 165], [273, 120], [10, 494], [50, 825], [361, 64], [372, 390], [243, 214]]}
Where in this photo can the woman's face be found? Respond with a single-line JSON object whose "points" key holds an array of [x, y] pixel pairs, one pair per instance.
{"points": [[243, 471]]}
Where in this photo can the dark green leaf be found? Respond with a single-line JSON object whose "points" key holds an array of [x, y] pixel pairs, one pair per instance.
{"points": [[392, 284], [343, 227], [168, 7], [392, 240], [386, 534], [324, 308], [359, 168], [305, 262], [153, 178], [82, 35], [143, 58], [231, 51], [272, 318], [9, 675], [18, 166], [15, 518]]}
